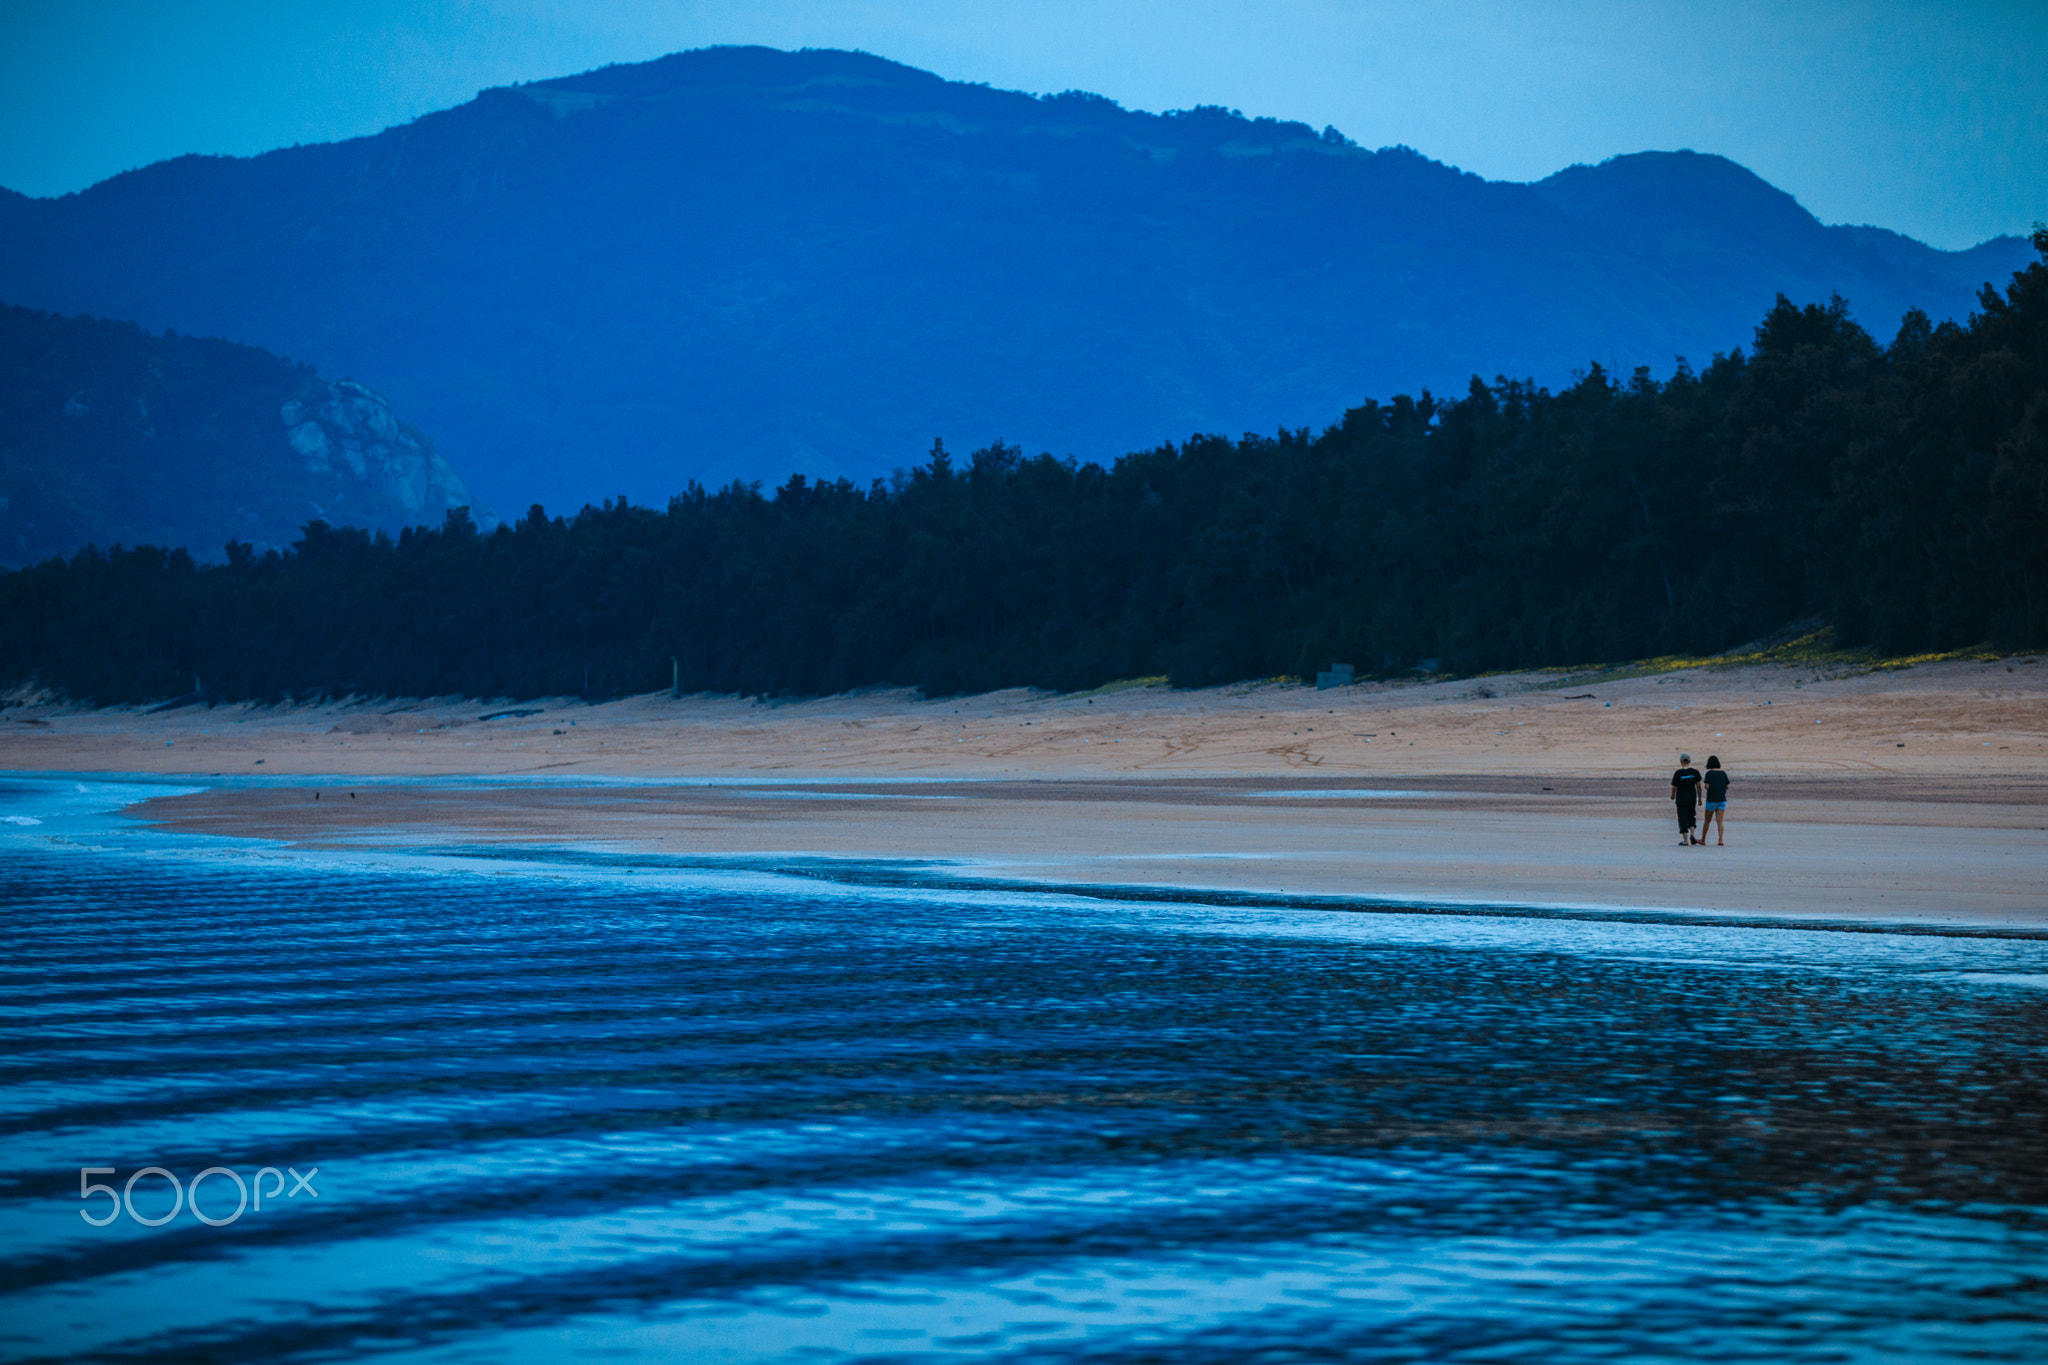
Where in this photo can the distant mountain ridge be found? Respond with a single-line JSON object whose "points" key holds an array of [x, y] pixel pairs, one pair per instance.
{"points": [[740, 262], [1723, 228]]}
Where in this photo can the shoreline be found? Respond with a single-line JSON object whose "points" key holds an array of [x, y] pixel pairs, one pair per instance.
{"points": [[1810, 851], [929, 875], [1493, 792]]}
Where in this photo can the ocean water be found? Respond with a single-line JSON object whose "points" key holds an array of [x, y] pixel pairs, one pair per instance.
{"points": [[567, 1106]]}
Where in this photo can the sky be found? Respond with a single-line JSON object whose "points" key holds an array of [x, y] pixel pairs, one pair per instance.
{"points": [[1927, 118]]}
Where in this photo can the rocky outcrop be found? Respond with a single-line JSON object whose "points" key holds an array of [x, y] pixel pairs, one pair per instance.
{"points": [[111, 435], [343, 428]]}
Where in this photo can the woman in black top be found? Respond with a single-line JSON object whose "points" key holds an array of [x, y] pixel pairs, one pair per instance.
{"points": [[1685, 792], [1717, 801]]}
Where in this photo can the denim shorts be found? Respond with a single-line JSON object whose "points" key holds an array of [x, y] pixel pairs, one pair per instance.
{"points": [[1717, 805]]}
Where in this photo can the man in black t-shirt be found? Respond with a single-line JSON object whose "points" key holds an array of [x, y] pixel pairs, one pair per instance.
{"points": [[1685, 794]]}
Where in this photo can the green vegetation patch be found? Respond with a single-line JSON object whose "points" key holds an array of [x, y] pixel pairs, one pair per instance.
{"points": [[1815, 649], [1120, 685]]}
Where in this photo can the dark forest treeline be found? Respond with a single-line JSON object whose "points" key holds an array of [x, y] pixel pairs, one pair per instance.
{"points": [[1900, 490]]}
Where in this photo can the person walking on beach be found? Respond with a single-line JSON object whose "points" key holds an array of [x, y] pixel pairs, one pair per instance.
{"points": [[1717, 802], [1685, 794]]}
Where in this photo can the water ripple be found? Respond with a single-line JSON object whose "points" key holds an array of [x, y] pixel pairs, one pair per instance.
{"points": [[694, 1117]]}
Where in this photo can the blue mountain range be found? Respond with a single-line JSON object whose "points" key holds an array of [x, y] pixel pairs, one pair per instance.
{"points": [[739, 263]]}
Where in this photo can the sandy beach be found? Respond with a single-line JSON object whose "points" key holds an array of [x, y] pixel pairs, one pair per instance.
{"points": [[1914, 795]]}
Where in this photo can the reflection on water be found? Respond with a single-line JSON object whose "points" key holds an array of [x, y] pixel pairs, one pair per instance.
{"points": [[689, 1118]]}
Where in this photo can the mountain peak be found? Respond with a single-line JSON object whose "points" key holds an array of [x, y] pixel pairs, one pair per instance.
{"points": [[758, 67], [1661, 191]]}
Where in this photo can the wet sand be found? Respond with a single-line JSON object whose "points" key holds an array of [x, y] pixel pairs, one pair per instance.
{"points": [[1920, 795]]}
